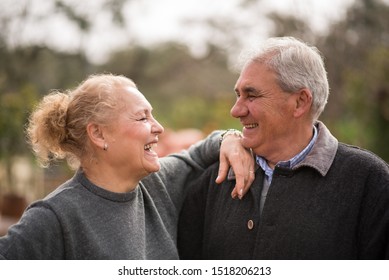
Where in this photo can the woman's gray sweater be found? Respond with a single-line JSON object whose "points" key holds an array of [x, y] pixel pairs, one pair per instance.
{"points": [[79, 220]]}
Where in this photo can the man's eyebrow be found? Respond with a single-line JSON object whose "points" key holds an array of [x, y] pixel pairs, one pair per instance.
{"points": [[248, 89]]}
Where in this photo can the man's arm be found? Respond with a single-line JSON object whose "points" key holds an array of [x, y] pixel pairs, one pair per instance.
{"points": [[374, 226]]}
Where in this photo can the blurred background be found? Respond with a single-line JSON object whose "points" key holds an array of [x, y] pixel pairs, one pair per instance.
{"points": [[182, 55]]}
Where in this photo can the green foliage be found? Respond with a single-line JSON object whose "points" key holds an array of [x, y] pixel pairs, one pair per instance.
{"points": [[188, 91], [357, 56], [14, 109], [25, 76], [367, 94], [197, 92]]}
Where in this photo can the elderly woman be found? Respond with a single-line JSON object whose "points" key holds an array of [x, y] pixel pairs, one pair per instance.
{"points": [[111, 208]]}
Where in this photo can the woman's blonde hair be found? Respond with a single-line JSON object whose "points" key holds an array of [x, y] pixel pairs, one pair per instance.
{"points": [[57, 127]]}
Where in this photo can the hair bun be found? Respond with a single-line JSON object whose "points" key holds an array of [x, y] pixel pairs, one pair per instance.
{"points": [[47, 127]]}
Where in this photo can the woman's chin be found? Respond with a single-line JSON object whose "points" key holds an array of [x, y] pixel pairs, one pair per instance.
{"points": [[153, 167], [151, 161], [156, 168]]}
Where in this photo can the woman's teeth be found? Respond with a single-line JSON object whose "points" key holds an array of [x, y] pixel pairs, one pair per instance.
{"points": [[149, 147]]}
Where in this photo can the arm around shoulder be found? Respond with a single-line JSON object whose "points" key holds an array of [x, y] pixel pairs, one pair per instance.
{"points": [[205, 152]]}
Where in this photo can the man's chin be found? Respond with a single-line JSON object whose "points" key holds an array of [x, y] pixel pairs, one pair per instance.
{"points": [[246, 143]]}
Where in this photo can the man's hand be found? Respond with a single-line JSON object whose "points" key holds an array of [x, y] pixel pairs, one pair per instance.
{"points": [[233, 154]]}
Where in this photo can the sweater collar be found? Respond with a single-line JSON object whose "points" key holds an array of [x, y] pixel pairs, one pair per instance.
{"points": [[118, 197], [323, 151]]}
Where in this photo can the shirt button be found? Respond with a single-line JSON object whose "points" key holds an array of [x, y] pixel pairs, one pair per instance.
{"points": [[250, 224]]}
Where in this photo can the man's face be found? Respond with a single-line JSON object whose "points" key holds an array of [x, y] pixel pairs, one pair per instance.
{"points": [[265, 111]]}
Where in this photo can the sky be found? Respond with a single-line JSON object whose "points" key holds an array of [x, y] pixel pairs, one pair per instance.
{"points": [[150, 22], [168, 13]]}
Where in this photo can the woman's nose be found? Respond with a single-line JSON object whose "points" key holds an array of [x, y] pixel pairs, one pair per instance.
{"points": [[157, 127]]}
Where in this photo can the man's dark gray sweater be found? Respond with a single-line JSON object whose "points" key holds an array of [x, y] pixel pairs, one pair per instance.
{"points": [[82, 221], [332, 205]]}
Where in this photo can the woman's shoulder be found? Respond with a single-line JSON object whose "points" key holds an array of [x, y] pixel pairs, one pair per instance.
{"points": [[63, 197], [65, 189]]}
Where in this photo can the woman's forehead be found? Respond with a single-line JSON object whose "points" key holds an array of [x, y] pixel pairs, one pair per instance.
{"points": [[136, 98], [134, 91]]}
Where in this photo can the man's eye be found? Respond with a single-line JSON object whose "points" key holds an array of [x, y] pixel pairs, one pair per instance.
{"points": [[142, 119]]}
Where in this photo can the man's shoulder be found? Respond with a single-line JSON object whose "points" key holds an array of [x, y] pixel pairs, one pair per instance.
{"points": [[359, 156], [360, 163]]}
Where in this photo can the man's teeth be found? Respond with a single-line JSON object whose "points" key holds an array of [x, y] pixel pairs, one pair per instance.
{"points": [[253, 125]]}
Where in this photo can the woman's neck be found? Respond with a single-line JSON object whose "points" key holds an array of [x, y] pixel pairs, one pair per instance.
{"points": [[109, 179]]}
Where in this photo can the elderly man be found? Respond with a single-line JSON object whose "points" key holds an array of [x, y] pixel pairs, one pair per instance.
{"points": [[313, 197]]}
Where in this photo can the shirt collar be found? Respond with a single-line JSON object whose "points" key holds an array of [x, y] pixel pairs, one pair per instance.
{"points": [[289, 163], [300, 156]]}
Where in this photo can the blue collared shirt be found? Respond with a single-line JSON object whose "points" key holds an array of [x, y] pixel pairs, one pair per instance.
{"points": [[290, 163]]}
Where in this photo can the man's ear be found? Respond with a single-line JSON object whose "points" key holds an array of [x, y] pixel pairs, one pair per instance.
{"points": [[96, 134], [303, 102]]}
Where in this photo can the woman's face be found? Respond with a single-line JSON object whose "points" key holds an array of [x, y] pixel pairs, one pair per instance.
{"points": [[133, 135]]}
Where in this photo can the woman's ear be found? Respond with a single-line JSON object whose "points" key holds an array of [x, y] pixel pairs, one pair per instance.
{"points": [[96, 134], [303, 102]]}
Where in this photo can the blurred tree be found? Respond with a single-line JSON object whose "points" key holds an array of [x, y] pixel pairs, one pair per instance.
{"points": [[197, 92], [356, 51], [28, 71], [14, 109], [183, 90], [42, 67], [26, 74], [290, 25]]}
